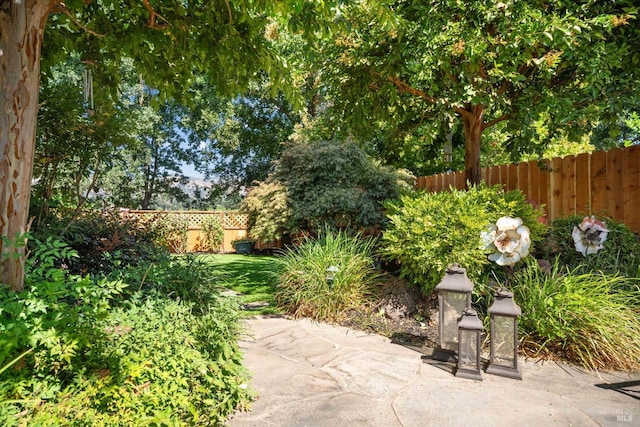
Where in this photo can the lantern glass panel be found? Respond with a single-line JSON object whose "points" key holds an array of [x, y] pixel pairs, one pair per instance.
{"points": [[468, 349], [454, 304], [503, 330]]}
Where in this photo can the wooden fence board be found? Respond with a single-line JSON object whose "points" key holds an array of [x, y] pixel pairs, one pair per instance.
{"points": [[534, 182], [615, 183], [512, 171], [555, 190], [568, 196], [495, 175], [523, 179], [598, 183], [631, 185], [544, 167], [583, 190]]}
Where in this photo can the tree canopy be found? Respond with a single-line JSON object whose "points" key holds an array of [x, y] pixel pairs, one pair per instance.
{"points": [[168, 42], [474, 65]]}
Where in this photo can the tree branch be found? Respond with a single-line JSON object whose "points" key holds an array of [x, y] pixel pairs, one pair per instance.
{"points": [[463, 112], [152, 17], [405, 87], [60, 7], [229, 11], [495, 121]]}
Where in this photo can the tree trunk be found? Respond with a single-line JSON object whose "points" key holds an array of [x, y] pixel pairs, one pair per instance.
{"points": [[21, 32], [473, 127]]}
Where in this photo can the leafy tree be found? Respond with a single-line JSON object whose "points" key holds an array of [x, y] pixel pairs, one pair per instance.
{"points": [[167, 41], [318, 184], [622, 133], [472, 66], [76, 141], [236, 139]]}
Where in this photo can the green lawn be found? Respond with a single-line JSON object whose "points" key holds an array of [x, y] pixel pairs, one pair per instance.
{"points": [[253, 276]]}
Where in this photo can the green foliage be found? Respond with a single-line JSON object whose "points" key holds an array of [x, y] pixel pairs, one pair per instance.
{"points": [[429, 231], [620, 253], [172, 232], [321, 183], [106, 241], [579, 316], [326, 277], [213, 233], [73, 354], [55, 320], [523, 62], [162, 366]]}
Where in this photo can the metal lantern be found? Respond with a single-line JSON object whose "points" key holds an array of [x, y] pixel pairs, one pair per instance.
{"points": [[454, 295], [503, 359], [469, 330], [332, 271]]}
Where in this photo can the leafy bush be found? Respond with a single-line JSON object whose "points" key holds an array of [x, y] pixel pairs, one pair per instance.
{"points": [[213, 234], [321, 183], [172, 233], [620, 252], [163, 366], [579, 316], [53, 323], [185, 277], [106, 240], [72, 354], [324, 278], [429, 231]]}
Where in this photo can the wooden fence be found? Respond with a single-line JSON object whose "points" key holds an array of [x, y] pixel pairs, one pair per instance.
{"points": [[603, 183], [235, 225]]}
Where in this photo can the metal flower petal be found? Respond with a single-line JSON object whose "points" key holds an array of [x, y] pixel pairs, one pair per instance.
{"points": [[508, 239]]}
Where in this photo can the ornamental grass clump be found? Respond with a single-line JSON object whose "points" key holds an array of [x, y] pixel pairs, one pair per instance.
{"points": [[579, 317], [325, 277]]}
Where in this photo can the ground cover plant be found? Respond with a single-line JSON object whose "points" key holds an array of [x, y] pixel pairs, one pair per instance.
{"points": [[148, 346], [326, 277]]}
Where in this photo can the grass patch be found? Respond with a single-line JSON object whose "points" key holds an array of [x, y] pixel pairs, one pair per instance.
{"points": [[255, 277]]}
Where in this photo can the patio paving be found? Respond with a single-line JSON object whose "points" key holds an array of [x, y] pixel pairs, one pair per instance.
{"points": [[315, 375]]}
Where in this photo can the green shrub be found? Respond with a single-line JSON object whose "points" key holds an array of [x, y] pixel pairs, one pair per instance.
{"points": [[106, 241], [620, 252], [185, 277], [73, 354], [429, 231], [172, 233], [53, 324], [213, 234], [163, 366], [307, 285], [579, 316], [318, 184]]}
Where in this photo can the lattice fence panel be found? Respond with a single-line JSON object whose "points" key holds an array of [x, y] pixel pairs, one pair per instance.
{"points": [[229, 220]]}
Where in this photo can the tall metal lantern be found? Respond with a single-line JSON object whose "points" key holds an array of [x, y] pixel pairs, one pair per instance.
{"points": [[469, 348], [454, 295], [503, 359]]}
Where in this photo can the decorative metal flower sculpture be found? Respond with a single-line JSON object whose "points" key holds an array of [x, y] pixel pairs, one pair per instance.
{"points": [[508, 241], [589, 235]]}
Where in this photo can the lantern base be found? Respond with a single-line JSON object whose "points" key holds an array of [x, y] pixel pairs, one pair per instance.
{"points": [[504, 371], [444, 355], [471, 374]]}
